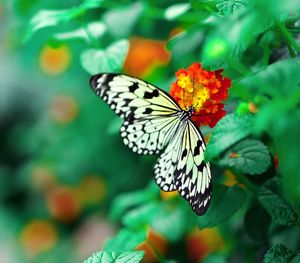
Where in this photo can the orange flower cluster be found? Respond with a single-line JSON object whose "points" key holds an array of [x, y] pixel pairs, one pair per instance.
{"points": [[204, 90]]}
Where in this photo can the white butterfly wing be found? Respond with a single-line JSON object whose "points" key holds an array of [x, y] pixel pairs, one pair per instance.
{"points": [[150, 114], [181, 167], [192, 175]]}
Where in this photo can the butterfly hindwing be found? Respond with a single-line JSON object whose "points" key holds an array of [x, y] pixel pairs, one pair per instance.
{"points": [[148, 136], [192, 176]]}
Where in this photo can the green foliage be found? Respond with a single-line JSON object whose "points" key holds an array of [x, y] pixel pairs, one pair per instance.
{"points": [[50, 18], [225, 202], [229, 130], [248, 156], [65, 134], [280, 209], [281, 254], [113, 257]]}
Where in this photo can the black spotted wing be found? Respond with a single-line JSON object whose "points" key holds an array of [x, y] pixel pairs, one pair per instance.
{"points": [[181, 167], [150, 115]]}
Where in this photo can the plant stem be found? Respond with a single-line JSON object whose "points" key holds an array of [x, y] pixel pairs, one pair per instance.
{"points": [[290, 41], [244, 180]]}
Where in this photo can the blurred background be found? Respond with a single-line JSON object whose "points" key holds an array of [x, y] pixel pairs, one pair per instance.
{"points": [[62, 161]]}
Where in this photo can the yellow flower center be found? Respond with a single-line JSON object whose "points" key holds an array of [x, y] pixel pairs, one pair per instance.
{"points": [[185, 82]]}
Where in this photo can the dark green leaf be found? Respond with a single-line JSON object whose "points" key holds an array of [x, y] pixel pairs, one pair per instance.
{"points": [[229, 130], [279, 254], [204, 5], [225, 202], [108, 60], [248, 156], [113, 257], [280, 209], [257, 222]]}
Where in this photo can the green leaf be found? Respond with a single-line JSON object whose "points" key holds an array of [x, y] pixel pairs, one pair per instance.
{"points": [[204, 5], [125, 240], [227, 7], [283, 75], [229, 130], [215, 258], [225, 202], [176, 10], [93, 30], [280, 209], [113, 257], [108, 60], [280, 254], [141, 216], [257, 222], [50, 18], [225, 45], [120, 22], [129, 200], [248, 156]]}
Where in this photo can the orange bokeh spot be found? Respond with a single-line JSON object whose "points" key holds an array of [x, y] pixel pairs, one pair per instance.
{"points": [[55, 61], [168, 195], [202, 242], [144, 55], [202, 89], [64, 204], [63, 109], [92, 190], [43, 178], [154, 245], [38, 236]]}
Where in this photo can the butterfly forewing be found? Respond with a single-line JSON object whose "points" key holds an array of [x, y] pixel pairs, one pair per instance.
{"points": [[132, 98]]}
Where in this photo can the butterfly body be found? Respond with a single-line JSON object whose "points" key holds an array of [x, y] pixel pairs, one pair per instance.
{"points": [[154, 123]]}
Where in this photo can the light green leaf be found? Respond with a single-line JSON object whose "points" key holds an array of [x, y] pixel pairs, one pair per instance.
{"points": [[50, 18], [248, 156], [280, 209], [120, 22], [93, 30], [280, 254], [126, 240], [108, 60], [229, 130], [176, 10], [227, 7], [114, 257], [225, 202]]}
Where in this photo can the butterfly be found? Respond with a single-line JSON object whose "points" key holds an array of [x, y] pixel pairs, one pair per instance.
{"points": [[154, 123]]}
